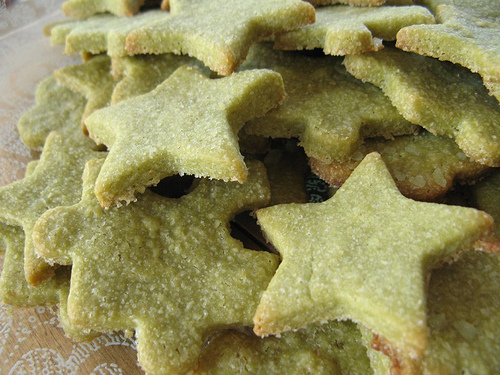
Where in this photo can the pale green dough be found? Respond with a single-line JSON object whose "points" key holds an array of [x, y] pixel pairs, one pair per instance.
{"points": [[86, 8], [333, 348], [360, 3], [465, 35], [92, 79], [55, 181], [57, 109], [464, 321], [365, 254], [103, 33], [424, 166], [330, 111], [485, 9], [486, 194], [142, 73], [344, 30], [166, 268], [218, 34], [441, 97], [187, 125]]}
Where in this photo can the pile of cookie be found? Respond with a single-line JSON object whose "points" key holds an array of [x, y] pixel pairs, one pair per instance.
{"points": [[186, 114]]}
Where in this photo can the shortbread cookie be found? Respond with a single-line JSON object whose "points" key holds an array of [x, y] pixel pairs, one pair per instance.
{"points": [[443, 98], [55, 181], [218, 34], [92, 79], [104, 33], [57, 109], [424, 166], [485, 9], [463, 318], [463, 37], [187, 125], [344, 30], [330, 111], [87, 8], [365, 254], [175, 275], [141, 74], [334, 348]]}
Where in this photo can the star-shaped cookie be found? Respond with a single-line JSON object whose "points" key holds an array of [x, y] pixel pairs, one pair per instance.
{"points": [[57, 109], [56, 181], [463, 35], [92, 79], [365, 254], [443, 98], [187, 125], [330, 111], [344, 30], [218, 34], [166, 268]]}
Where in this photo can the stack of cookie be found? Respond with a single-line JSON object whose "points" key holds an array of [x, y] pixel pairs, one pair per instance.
{"points": [[186, 114]]}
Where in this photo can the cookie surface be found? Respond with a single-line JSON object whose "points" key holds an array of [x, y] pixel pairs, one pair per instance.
{"points": [[57, 109], [441, 97], [328, 110], [366, 231], [186, 125], [216, 34], [175, 276], [424, 166], [333, 348], [344, 30], [463, 37], [87, 8], [56, 181], [92, 79]]}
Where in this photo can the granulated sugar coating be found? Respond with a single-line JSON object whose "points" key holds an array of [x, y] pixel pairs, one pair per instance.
{"points": [[443, 98], [466, 33], [56, 181], [218, 34], [365, 254], [344, 30], [166, 268], [330, 111], [187, 125], [424, 166]]}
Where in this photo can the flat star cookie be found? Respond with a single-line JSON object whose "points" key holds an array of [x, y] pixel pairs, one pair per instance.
{"points": [[365, 254], [86, 8], [57, 109], [360, 3], [326, 108], [463, 316], [344, 30], [175, 275], [92, 79], [187, 125], [424, 166], [217, 34], [334, 348], [104, 33], [463, 37], [441, 97], [56, 181], [141, 74]]}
